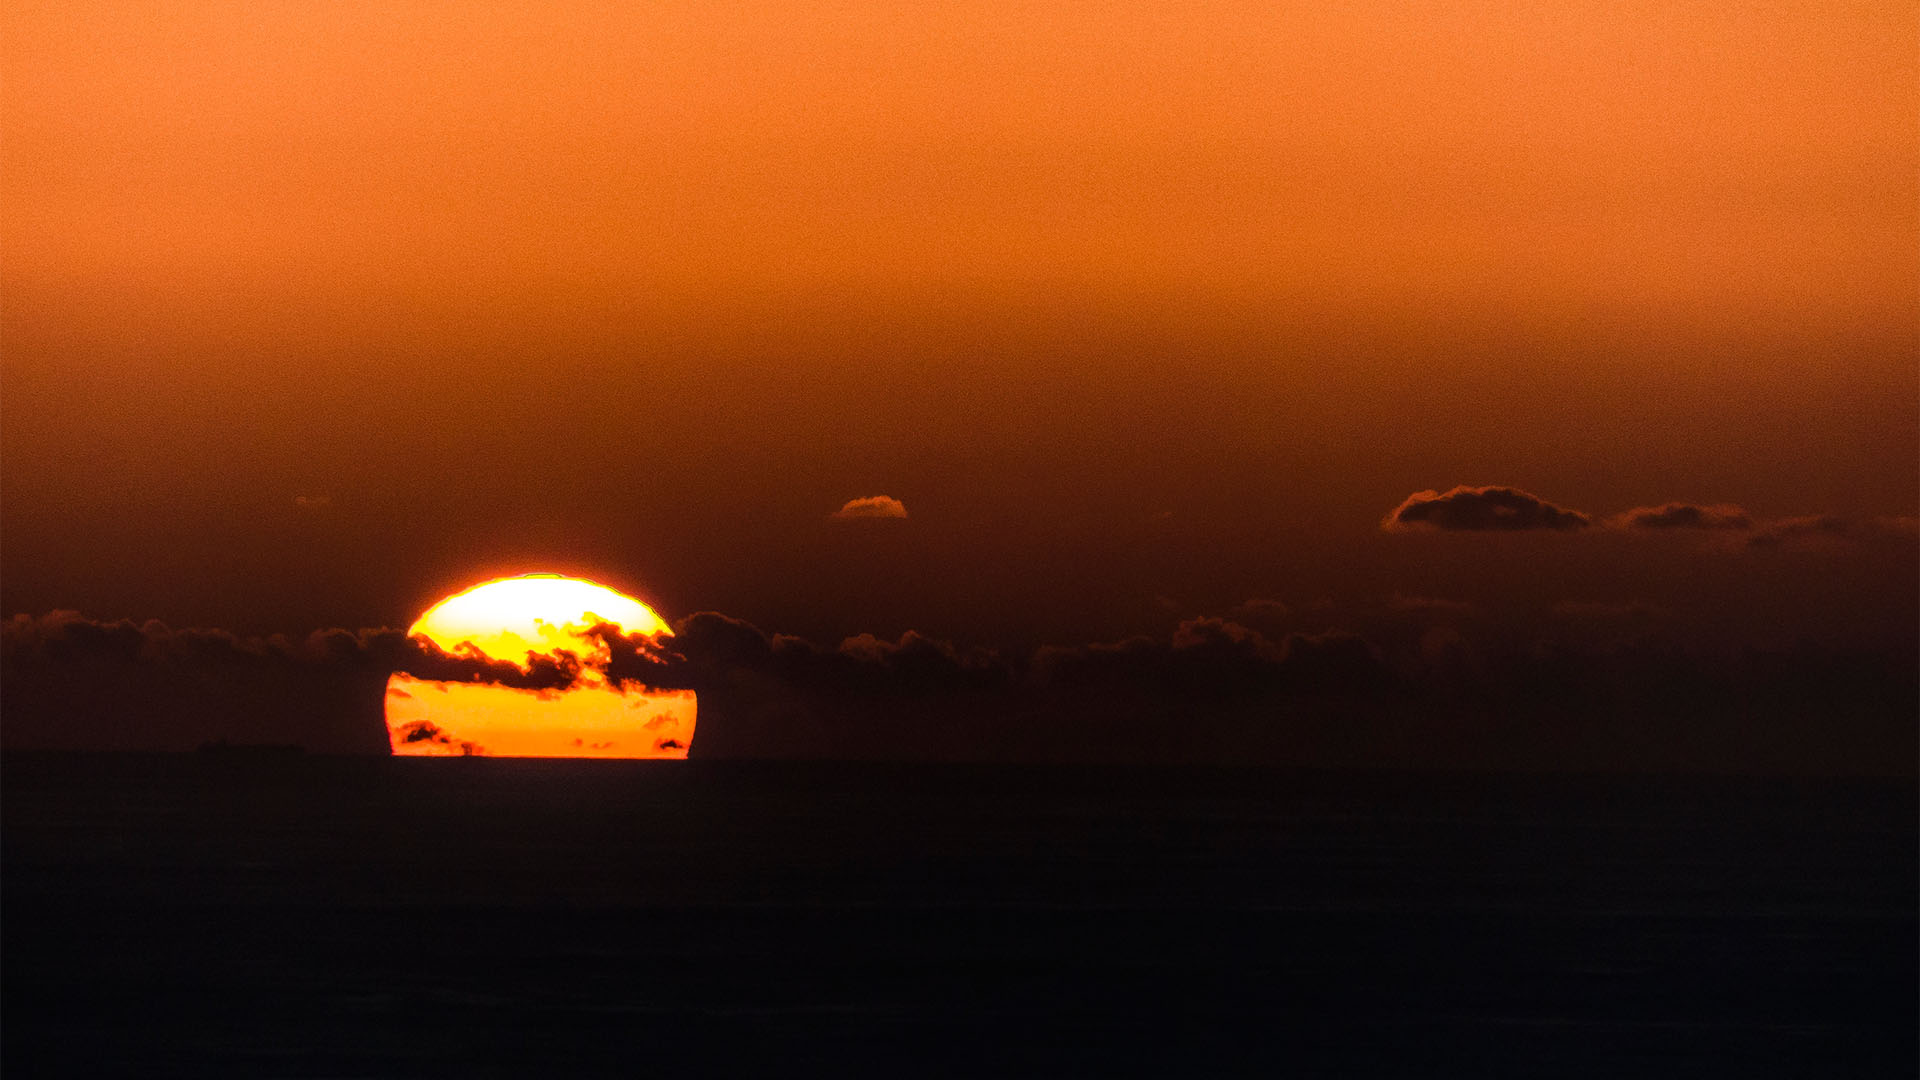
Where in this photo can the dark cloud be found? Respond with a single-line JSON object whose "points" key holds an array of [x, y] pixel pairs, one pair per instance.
{"points": [[783, 696], [81, 683], [1683, 515], [426, 731], [1815, 527], [919, 696], [1212, 657], [919, 664], [871, 507], [642, 660], [1505, 509], [1603, 689], [422, 659], [707, 649], [1482, 509], [1829, 529], [74, 681]]}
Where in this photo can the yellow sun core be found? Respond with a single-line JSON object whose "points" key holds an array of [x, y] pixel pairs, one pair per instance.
{"points": [[541, 614]]}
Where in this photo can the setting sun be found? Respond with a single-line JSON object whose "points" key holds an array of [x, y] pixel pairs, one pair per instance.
{"points": [[546, 614]]}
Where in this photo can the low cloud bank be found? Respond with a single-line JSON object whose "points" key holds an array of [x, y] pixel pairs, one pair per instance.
{"points": [[121, 685], [1827, 529], [1423, 685], [1416, 684], [1509, 509]]}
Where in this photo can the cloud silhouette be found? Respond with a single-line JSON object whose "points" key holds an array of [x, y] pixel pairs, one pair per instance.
{"points": [[1820, 529], [1506, 509], [75, 681], [426, 731], [1217, 658], [1683, 515], [1482, 509], [1419, 688], [870, 508], [708, 649]]}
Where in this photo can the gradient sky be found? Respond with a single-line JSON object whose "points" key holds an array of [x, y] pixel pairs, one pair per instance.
{"points": [[313, 317]]}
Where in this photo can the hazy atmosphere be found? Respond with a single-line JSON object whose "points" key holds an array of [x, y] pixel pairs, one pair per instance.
{"points": [[1360, 538], [1131, 316]]}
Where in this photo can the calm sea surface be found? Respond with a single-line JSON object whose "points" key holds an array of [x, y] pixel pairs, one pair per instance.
{"points": [[192, 916]]}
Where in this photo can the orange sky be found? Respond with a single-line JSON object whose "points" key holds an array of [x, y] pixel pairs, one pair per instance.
{"points": [[647, 284], [1563, 154]]}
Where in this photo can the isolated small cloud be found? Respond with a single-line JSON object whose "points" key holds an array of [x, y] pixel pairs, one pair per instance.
{"points": [[1683, 515], [313, 502], [1482, 509], [870, 508]]}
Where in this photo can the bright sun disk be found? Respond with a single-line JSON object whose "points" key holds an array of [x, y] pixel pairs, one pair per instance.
{"points": [[536, 613]]}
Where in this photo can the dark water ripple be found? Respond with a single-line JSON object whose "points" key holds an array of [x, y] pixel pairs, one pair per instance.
{"points": [[179, 916]]}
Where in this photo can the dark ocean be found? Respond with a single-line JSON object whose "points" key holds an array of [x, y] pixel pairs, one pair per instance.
{"points": [[213, 915]]}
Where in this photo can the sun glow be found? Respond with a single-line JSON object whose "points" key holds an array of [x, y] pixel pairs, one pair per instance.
{"points": [[536, 613]]}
